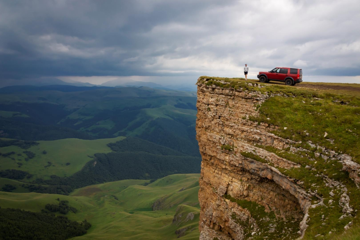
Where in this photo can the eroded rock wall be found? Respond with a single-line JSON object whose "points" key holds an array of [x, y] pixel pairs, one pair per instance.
{"points": [[275, 205]]}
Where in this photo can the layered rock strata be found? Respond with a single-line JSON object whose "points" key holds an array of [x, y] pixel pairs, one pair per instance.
{"points": [[241, 197]]}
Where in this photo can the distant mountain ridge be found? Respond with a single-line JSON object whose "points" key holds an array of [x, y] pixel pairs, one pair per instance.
{"points": [[41, 82], [44, 83], [117, 83], [61, 88]]}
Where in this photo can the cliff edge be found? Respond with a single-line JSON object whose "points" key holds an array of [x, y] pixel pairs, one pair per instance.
{"points": [[278, 162]]}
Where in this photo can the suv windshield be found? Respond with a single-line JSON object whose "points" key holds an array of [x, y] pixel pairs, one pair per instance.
{"points": [[274, 70]]}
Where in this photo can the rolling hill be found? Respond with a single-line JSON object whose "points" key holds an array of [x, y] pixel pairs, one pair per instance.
{"points": [[127, 209]]}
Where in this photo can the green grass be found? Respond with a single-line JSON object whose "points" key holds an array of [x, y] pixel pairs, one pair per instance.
{"points": [[63, 157], [17, 184], [307, 119], [9, 114], [352, 234], [253, 156], [265, 221], [123, 209], [227, 147], [105, 124], [157, 112]]}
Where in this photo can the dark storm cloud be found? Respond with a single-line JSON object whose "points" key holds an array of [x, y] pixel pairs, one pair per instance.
{"points": [[159, 37]]}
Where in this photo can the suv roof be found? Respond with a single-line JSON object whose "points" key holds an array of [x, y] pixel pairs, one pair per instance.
{"points": [[288, 67]]}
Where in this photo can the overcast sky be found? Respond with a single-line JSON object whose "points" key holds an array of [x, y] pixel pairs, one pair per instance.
{"points": [[176, 40]]}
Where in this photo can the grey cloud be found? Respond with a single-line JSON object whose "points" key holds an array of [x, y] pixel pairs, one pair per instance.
{"points": [[176, 38]]}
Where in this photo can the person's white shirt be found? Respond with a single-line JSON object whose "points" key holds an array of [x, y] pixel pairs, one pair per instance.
{"points": [[246, 69]]}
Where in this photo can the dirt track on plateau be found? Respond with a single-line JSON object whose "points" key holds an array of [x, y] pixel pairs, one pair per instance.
{"points": [[325, 86], [328, 87]]}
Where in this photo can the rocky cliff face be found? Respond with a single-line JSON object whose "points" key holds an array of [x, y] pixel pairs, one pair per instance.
{"points": [[245, 192]]}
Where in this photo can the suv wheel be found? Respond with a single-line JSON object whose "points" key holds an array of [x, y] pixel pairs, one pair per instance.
{"points": [[288, 81], [263, 79]]}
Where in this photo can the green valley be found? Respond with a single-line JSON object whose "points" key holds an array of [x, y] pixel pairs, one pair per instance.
{"points": [[127, 209], [108, 155]]}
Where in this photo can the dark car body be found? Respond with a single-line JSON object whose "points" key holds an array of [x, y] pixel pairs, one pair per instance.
{"points": [[290, 76]]}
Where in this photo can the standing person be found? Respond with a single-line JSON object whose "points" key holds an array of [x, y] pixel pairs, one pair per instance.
{"points": [[246, 70]]}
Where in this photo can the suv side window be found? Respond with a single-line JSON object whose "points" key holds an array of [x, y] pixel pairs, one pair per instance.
{"points": [[293, 70], [283, 70]]}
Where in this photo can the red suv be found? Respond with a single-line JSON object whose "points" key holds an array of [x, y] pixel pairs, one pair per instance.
{"points": [[290, 76]]}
